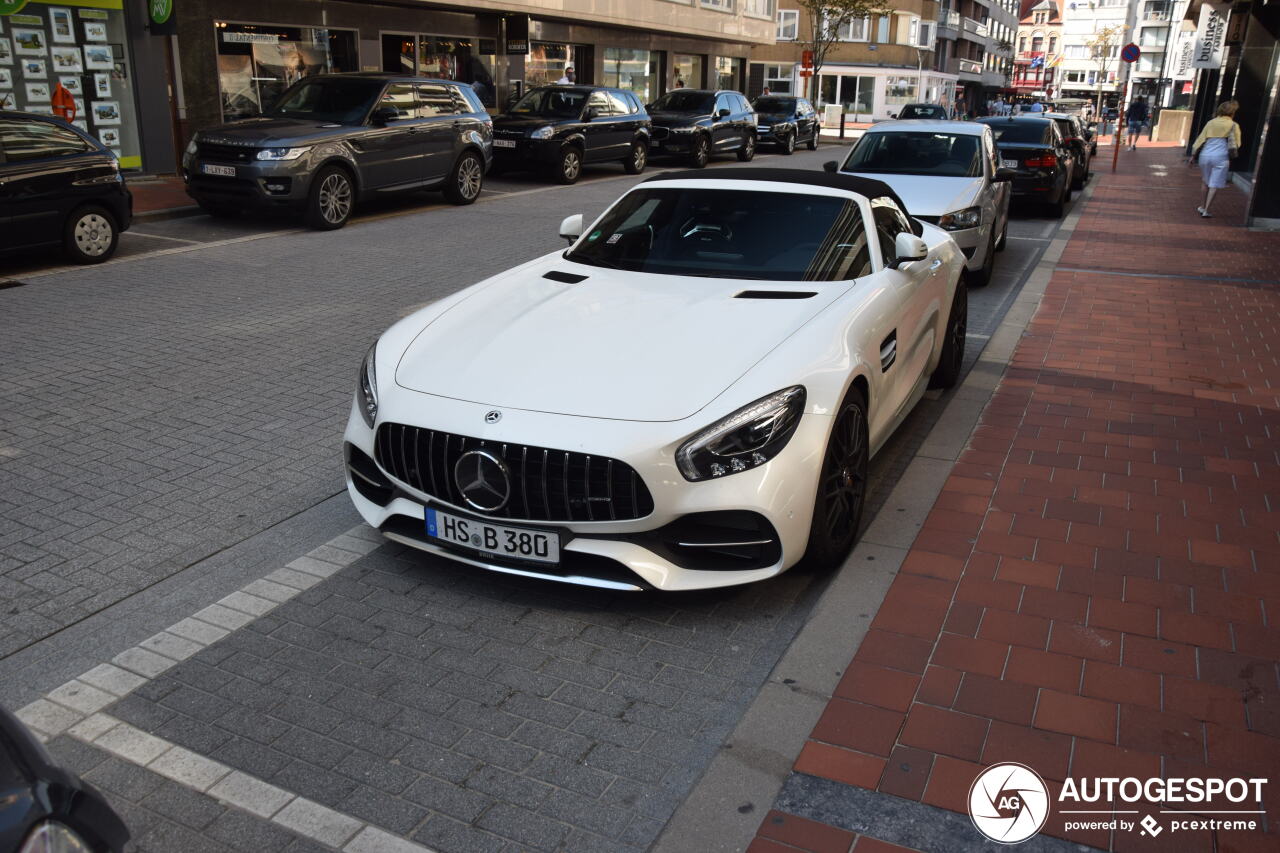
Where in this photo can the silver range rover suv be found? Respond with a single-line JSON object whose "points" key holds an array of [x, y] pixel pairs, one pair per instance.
{"points": [[333, 140]]}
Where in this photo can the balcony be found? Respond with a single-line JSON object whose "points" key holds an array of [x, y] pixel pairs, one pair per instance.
{"points": [[948, 19], [963, 66], [977, 28]]}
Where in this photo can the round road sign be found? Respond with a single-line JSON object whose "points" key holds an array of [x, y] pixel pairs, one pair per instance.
{"points": [[1130, 52]]}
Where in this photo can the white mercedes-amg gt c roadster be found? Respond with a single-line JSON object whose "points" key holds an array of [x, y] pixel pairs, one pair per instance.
{"points": [[685, 398]]}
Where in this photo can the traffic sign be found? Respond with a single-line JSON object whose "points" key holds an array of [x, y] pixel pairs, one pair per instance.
{"points": [[1130, 52]]}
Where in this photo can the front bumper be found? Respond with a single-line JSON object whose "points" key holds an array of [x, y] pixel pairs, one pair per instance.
{"points": [[773, 134], [970, 241], [666, 141], [527, 153], [693, 538], [255, 184]]}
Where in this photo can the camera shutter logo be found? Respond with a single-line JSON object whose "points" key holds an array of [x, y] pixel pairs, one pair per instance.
{"points": [[1009, 803]]}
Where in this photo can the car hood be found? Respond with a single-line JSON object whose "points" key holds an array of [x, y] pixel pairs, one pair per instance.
{"points": [[677, 119], [264, 130], [930, 195], [773, 118], [617, 345]]}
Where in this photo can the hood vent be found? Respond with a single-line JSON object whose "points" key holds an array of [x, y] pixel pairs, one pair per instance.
{"points": [[775, 294], [566, 277]]}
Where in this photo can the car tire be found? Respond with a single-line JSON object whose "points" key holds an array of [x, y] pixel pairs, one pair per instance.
{"points": [[947, 372], [637, 159], [569, 166], [842, 485], [90, 235], [982, 277], [332, 199], [700, 153], [465, 180], [788, 144], [747, 150], [813, 140], [219, 211]]}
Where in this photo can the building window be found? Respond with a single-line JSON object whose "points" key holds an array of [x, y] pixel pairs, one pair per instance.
{"points": [[631, 68], [728, 72], [1157, 10], [758, 8], [1053, 44], [1022, 44], [1037, 44], [900, 90], [854, 94], [788, 24], [913, 31], [882, 30], [778, 79], [722, 5], [855, 30], [688, 71], [1153, 37], [926, 33]]}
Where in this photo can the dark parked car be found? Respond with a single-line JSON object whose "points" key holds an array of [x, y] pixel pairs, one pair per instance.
{"points": [[558, 128], [46, 808], [933, 111], [1043, 162], [785, 121], [700, 123], [59, 186], [334, 139], [1080, 138]]}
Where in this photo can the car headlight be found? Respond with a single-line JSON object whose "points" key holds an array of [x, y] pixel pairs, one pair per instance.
{"points": [[191, 146], [367, 389], [54, 837], [544, 132], [970, 217], [746, 439], [283, 153]]}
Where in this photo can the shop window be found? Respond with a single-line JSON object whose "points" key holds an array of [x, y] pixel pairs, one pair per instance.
{"points": [[788, 24], [547, 61], [688, 71], [728, 72], [855, 94], [632, 69], [257, 62], [82, 50], [778, 79], [461, 58], [900, 90]]}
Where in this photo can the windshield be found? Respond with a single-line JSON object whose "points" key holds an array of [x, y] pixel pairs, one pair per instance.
{"points": [[1019, 131], [684, 101], [942, 154], [328, 99], [774, 105], [730, 234], [923, 112], [551, 103]]}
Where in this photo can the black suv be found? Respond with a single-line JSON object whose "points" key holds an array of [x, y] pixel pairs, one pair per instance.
{"points": [[332, 139], [785, 121], [58, 185], [558, 128], [700, 123]]}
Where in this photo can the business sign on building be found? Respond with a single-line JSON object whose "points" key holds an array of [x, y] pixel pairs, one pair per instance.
{"points": [[1184, 52], [517, 36], [1211, 35]]}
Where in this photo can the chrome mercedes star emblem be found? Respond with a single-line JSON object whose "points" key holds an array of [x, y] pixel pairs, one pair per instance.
{"points": [[483, 479], [492, 417]]}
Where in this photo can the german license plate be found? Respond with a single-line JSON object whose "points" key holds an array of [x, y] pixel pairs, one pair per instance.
{"points": [[504, 143], [1008, 164], [225, 171], [497, 539]]}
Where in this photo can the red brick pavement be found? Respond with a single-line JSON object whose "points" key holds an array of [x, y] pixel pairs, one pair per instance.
{"points": [[1097, 588], [165, 192]]}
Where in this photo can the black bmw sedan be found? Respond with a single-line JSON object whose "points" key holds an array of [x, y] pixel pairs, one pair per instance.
{"points": [[556, 129], [1044, 163]]}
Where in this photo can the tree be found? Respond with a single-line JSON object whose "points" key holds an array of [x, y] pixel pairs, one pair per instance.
{"points": [[826, 19], [1101, 48]]}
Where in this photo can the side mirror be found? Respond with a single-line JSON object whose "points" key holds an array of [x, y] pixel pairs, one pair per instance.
{"points": [[1003, 175], [571, 227], [908, 247], [831, 166], [723, 114], [893, 115], [383, 115], [590, 114]]}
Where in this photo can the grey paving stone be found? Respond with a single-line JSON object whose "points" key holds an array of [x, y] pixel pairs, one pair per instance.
{"points": [[391, 813], [437, 761], [495, 751], [448, 798], [389, 777], [317, 822], [447, 835], [507, 787], [183, 805], [243, 831], [569, 774], [525, 827], [124, 778], [309, 781]]}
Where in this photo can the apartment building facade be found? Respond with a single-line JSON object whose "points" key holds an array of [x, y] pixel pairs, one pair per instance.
{"points": [[1038, 50]]}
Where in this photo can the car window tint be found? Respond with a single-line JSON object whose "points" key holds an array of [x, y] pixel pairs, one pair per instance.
{"points": [[28, 139], [1021, 131], [889, 224], [634, 101], [462, 103], [599, 101], [617, 105], [401, 97], [948, 155], [434, 100], [718, 233], [722, 103]]}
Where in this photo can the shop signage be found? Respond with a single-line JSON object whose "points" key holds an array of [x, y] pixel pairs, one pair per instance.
{"points": [[251, 38], [93, 15], [1182, 56], [8, 7], [517, 36], [27, 20], [160, 10], [1210, 35]]}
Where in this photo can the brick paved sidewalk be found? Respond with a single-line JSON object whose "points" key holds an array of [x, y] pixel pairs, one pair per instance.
{"points": [[1096, 590], [158, 193]]}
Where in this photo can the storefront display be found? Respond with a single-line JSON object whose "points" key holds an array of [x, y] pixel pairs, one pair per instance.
{"points": [[687, 71], [728, 73], [53, 54], [461, 58], [546, 63], [257, 62], [629, 68]]}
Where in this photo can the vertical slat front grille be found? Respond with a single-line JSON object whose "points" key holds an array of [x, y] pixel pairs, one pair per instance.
{"points": [[546, 484]]}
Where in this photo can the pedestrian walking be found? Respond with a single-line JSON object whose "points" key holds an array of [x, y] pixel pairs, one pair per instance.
{"points": [[567, 79], [766, 91], [1137, 120], [1214, 147]]}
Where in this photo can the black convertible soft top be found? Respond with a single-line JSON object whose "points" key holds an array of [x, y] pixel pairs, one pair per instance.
{"points": [[868, 187]]}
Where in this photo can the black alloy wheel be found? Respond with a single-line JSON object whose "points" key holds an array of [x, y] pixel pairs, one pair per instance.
{"points": [[637, 159], [465, 180], [842, 485], [947, 372], [569, 167], [332, 199], [700, 152], [747, 149], [788, 144]]}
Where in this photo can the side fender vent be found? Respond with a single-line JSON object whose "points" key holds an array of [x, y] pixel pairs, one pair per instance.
{"points": [[566, 277], [775, 294]]}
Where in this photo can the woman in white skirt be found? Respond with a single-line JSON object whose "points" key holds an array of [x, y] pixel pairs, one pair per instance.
{"points": [[1217, 144]]}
